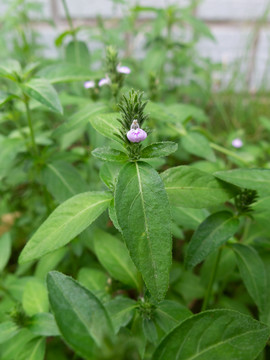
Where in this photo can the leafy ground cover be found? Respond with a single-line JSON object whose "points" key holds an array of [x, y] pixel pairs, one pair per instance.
{"points": [[134, 213]]}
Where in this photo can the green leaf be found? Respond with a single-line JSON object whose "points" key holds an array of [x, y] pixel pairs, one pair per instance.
{"points": [[7, 330], [34, 350], [77, 53], [9, 149], [193, 188], [66, 222], [256, 179], [94, 280], [80, 316], [49, 262], [121, 311], [5, 250], [183, 112], [109, 173], [197, 144], [62, 180], [107, 125], [252, 271], [159, 149], [169, 314], [43, 324], [12, 348], [35, 297], [109, 154], [80, 118], [188, 218], [216, 334], [9, 68], [213, 232], [143, 214], [42, 91], [114, 257], [66, 72]]}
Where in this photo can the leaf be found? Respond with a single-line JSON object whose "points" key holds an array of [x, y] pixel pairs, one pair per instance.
{"points": [[5, 250], [193, 188], [121, 311], [66, 72], [188, 218], [109, 173], [12, 348], [213, 232], [215, 334], [77, 53], [109, 154], [9, 68], [143, 214], [35, 297], [62, 180], [197, 144], [184, 112], [169, 314], [34, 350], [114, 257], [252, 271], [80, 316], [256, 179], [49, 262], [94, 280], [107, 125], [159, 149], [42, 91], [7, 330], [81, 118], [9, 149], [66, 222], [43, 324]]}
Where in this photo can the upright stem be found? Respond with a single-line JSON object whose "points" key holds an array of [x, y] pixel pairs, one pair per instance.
{"points": [[211, 281], [29, 120], [67, 14]]}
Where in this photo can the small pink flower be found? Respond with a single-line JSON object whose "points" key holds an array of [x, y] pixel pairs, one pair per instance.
{"points": [[104, 81], [135, 134], [237, 143], [89, 84], [123, 69]]}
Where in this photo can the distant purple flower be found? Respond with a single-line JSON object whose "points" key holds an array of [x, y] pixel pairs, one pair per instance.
{"points": [[104, 81], [135, 134], [89, 84], [237, 143], [123, 69]]}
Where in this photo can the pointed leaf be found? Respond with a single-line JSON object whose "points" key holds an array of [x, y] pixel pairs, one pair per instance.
{"points": [[80, 316], [159, 149], [121, 311], [107, 125], [5, 250], [143, 214], [198, 145], [193, 188], [34, 350], [66, 222], [216, 334], [7, 330], [109, 154], [214, 231]]}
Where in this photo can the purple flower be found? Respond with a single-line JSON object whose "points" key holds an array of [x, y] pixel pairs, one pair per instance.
{"points": [[89, 84], [104, 81], [135, 134], [123, 69], [237, 143]]}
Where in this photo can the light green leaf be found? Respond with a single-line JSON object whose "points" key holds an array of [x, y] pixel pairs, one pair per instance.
{"points": [[7, 330], [66, 72], [35, 298], [213, 232], [197, 144], [216, 334], [66, 222], [34, 350], [94, 280], [49, 262], [109, 154], [193, 188], [42, 91], [109, 173], [77, 53], [256, 179], [159, 149], [9, 68], [43, 324], [121, 311], [252, 271], [80, 316], [11, 349], [107, 125], [9, 149], [62, 180], [5, 250], [114, 257], [143, 214]]}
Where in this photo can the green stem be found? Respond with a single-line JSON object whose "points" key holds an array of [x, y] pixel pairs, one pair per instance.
{"points": [[227, 152], [69, 20], [211, 281], [29, 120]]}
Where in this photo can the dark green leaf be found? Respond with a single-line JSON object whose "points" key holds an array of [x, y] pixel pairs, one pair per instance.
{"points": [[198, 145], [159, 149], [143, 214], [107, 125], [5, 250], [121, 311], [109, 154], [43, 324]]}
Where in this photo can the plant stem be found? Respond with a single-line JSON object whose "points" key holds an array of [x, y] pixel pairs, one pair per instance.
{"points": [[29, 120], [69, 20], [211, 281]]}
